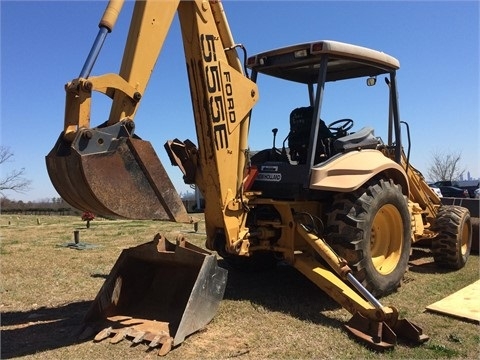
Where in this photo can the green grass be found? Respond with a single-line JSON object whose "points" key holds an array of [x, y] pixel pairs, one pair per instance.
{"points": [[46, 289]]}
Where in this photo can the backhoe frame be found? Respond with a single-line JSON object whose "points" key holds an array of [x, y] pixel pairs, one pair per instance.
{"points": [[85, 163]]}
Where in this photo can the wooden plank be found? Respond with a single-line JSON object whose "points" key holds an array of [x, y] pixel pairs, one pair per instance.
{"points": [[462, 304]]}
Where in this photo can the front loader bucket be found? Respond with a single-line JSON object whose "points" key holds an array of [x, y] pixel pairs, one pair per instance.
{"points": [[113, 175], [158, 293]]}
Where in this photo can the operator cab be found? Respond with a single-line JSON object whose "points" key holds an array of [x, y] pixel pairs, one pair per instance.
{"points": [[286, 172]]}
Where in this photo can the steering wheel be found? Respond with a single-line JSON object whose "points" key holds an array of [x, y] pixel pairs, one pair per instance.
{"points": [[345, 125]]}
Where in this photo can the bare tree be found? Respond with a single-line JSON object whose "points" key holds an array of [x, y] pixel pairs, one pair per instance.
{"points": [[445, 167], [15, 179]]}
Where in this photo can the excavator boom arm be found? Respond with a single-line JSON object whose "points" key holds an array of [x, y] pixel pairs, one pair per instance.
{"points": [[222, 99]]}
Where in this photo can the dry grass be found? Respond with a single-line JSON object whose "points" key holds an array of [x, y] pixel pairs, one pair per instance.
{"points": [[46, 288]]}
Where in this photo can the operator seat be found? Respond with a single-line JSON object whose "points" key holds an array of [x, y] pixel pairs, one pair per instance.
{"points": [[299, 137], [363, 139]]}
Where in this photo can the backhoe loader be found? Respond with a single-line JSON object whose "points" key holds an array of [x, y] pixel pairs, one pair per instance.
{"points": [[343, 207]]}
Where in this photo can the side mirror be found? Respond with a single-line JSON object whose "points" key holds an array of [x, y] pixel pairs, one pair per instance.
{"points": [[371, 81]]}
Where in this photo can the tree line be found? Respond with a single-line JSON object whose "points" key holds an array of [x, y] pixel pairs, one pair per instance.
{"points": [[54, 206]]}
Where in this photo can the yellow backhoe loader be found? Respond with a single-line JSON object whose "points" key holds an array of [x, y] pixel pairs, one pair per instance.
{"points": [[341, 206]]}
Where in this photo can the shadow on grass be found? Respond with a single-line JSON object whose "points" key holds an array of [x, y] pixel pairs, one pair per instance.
{"points": [[34, 331], [281, 289], [99, 276], [421, 261]]}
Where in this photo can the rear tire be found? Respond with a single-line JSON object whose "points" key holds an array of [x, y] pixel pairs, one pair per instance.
{"points": [[371, 229], [452, 245]]}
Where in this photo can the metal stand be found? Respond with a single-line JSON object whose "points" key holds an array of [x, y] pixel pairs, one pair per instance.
{"points": [[77, 245]]}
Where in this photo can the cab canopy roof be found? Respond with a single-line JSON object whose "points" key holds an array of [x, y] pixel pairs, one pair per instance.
{"points": [[301, 63]]}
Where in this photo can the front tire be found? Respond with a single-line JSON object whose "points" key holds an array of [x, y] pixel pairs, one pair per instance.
{"points": [[371, 229]]}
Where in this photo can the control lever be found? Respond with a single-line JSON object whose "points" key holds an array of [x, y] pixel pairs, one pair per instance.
{"points": [[273, 152], [274, 131]]}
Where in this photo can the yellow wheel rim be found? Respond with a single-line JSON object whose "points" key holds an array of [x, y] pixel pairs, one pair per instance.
{"points": [[386, 239], [464, 240]]}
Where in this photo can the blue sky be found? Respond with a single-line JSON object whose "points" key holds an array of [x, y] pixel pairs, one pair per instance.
{"points": [[44, 45]]}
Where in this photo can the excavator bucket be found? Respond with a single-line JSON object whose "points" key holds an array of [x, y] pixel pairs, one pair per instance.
{"points": [[110, 173], [158, 293]]}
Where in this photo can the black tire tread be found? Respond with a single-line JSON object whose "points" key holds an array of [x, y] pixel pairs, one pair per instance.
{"points": [[446, 247], [346, 228]]}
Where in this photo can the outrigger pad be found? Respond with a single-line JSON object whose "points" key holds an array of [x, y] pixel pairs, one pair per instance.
{"points": [[381, 336], [110, 174], [158, 293]]}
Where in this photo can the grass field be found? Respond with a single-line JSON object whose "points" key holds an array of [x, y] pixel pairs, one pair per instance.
{"points": [[46, 288]]}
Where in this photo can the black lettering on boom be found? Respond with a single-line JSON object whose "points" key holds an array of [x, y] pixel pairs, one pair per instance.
{"points": [[208, 47], [213, 81], [229, 93], [220, 136], [216, 108]]}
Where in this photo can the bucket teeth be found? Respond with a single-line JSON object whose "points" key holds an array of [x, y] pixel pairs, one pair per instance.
{"points": [[155, 342], [166, 347], [119, 336], [158, 339], [153, 339], [103, 334], [139, 336]]}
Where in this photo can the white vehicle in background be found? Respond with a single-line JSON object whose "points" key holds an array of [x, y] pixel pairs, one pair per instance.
{"points": [[477, 193], [436, 190]]}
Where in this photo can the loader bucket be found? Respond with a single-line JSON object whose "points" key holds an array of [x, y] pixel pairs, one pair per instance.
{"points": [[113, 175], [158, 293]]}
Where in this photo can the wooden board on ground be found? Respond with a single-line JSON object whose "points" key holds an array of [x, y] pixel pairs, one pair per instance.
{"points": [[462, 304]]}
